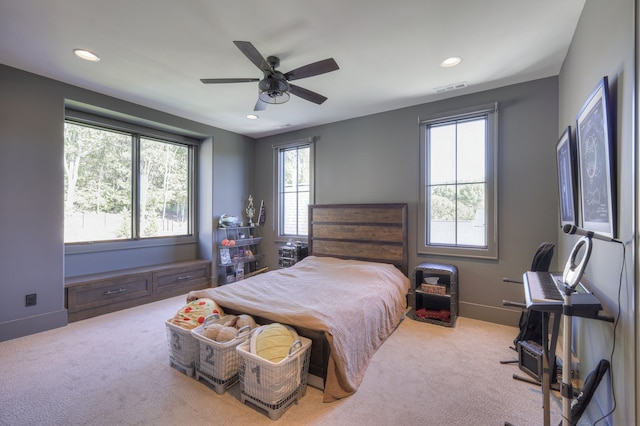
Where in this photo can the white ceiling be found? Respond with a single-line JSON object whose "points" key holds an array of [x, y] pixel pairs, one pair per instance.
{"points": [[154, 52]]}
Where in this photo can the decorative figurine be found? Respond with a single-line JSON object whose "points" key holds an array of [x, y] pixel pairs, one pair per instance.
{"points": [[250, 211], [262, 214]]}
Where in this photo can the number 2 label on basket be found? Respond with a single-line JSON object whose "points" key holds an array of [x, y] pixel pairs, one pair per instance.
{"points": [[209, 359]]}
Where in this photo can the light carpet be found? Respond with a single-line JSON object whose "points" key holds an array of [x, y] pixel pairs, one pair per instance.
{"points": [[114, 370]]}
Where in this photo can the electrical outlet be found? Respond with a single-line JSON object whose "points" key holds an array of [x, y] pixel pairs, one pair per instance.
{"points": [[31, 299]]}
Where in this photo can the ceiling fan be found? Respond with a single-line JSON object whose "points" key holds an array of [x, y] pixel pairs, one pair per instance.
{"points": [[274, 86]]}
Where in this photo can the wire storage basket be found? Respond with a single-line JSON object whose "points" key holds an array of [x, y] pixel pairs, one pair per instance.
{"points": [[182, 348], [217, 362], [274, 387]]}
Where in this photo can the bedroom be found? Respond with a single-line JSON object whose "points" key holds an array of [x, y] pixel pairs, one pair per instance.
{"points": [[354, 149]]}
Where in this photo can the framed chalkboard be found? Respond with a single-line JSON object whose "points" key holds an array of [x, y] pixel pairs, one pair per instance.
{"points": [[596, 162], [566, 156]]}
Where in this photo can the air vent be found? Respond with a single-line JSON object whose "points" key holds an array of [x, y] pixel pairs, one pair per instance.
{"points": [[450, 87]]}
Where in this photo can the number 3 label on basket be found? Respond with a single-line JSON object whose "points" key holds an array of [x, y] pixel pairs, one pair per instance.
{"points": [[176, 341]]}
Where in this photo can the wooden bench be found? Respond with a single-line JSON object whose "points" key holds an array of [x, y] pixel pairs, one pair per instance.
{"points": [[87, 296]]}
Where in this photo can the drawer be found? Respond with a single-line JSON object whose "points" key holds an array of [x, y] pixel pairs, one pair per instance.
{"points": [[174, 278], [99, 293]]}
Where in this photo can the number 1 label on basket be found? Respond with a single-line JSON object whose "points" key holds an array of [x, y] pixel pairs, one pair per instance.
{"points": [[256, 370]]}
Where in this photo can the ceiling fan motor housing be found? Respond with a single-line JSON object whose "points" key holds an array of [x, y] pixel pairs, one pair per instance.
{"points": [[274, 85]]}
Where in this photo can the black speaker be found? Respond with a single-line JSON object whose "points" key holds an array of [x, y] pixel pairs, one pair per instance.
{"points": [[530, 358]]}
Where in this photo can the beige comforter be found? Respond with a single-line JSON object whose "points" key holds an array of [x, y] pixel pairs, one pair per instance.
{"points": [[357, 305]]}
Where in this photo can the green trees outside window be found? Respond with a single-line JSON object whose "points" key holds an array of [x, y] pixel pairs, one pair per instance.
{"points": [[124, 186]]}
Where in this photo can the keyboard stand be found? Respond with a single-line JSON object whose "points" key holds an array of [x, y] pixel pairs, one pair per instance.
{"points": [[566, 387], [549, 361], [573, 305]]}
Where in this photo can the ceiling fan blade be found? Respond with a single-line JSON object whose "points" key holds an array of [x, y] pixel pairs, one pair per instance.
{"points": [[316, 68], [228, 80], [254, 56], [260, 105], [306, 94]]}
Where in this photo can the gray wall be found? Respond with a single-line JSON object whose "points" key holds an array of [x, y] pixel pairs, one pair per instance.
{"points": [[376, 159], [368, 159], [32, 253], [31, 225], [603, 45]]}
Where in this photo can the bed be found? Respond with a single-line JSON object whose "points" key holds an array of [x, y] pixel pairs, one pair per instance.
{"points": [[347, 296]]}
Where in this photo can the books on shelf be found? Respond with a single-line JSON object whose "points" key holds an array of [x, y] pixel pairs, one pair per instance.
{"points": [[433, 289], [239, 271]]}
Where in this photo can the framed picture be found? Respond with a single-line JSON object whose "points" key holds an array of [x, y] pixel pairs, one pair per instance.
{"points": [[596, 164], [225, 256], [565, 155]]}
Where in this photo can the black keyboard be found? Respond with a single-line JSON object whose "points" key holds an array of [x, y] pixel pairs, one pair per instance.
{"points": [[542, 293]]}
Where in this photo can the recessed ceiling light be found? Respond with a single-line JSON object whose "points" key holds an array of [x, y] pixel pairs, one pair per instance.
{"points": [[252, 117], [451, 62], [86, 55]]}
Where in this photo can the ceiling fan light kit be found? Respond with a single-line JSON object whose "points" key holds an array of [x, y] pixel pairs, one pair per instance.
{"points": [[274, 87], [274, 90]]}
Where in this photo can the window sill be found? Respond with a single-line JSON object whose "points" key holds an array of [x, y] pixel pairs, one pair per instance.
{"points": [[460, 252], [94, 247]]}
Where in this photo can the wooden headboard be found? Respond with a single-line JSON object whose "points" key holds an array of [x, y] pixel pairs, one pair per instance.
{"points": [[371, 232]]}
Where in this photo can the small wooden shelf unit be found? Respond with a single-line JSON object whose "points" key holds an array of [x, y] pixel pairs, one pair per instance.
{"points": [[438, 302]]}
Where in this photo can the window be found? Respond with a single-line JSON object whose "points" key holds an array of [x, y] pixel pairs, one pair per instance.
{"points": [[458, 190], [294, 187], [123, 184]]}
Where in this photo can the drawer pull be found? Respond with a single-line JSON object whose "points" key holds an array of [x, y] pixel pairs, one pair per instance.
{"points": [[120, 290], [184, 277]]}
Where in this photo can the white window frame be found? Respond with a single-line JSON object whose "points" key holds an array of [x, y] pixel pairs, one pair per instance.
{"points": [[277, 167], [490, 251], [108, 123]]}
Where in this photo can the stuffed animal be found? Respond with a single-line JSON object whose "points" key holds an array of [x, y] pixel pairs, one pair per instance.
{"points": [[226, 334], [211, 331], [194, 313], [244, 320], [227, 328]]}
